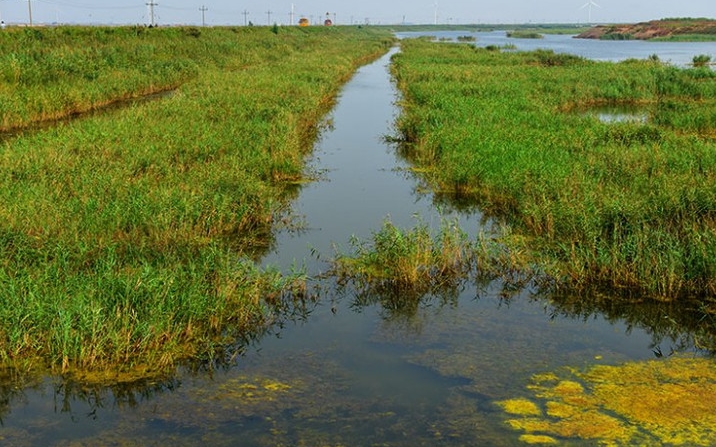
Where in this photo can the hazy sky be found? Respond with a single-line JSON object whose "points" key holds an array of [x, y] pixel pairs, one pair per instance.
{"points": [[231, 12]]}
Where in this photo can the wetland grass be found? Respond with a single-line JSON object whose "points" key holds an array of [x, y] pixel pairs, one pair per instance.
{"points": [[407, 263], [52, 73], [522, 34], [400, 267], [127, 237], [628, 206]]}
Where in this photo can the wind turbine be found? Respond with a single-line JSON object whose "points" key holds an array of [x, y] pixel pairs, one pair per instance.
{"points": [[589, 6]]}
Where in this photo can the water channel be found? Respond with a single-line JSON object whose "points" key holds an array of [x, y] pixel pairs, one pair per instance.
{"points": [[352, 372]]}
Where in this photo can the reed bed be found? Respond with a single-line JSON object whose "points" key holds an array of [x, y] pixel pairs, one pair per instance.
{"points": [[625, 205], [407, 263], [126, 236], [403, 269]]}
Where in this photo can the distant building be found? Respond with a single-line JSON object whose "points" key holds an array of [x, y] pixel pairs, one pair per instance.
{"points": [[303, 22]]}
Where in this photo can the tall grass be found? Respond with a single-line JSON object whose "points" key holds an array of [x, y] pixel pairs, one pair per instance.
{"points": [[410, 263], [125, 237], [51, 73], [624, 205]]}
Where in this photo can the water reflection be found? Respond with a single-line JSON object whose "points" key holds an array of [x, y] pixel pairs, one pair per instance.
{"points": [[621, 113], [674, 327], [431, 367]]}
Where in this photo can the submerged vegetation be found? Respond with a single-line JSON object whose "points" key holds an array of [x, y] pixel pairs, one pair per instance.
{"points": [[624, 205], [659, 402], [127, 236]]}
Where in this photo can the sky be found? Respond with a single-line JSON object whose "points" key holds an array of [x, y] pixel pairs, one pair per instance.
{"points": [[233, 12]]}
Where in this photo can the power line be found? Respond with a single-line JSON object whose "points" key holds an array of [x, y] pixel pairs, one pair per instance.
{"points": [[203, 9], [85, 6], [151, 12]]}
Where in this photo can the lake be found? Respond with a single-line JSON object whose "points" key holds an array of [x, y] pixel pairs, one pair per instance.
{"points": [[676, 53], [351, 371]]}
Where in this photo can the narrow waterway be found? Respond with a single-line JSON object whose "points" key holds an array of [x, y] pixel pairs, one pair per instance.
{"points": [[354, 372], [361, 181]]}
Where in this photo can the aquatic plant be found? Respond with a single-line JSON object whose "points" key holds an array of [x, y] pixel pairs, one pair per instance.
{"points": [[521, 34], [701, 60], [410, 263], [659, 402]]}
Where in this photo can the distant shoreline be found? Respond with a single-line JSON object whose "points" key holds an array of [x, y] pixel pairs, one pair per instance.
{"points": [[677, 30]]}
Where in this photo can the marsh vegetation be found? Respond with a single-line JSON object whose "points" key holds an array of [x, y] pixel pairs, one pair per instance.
{"points": [[427, 329], [127, 238], [524, 34], [623, 205]]}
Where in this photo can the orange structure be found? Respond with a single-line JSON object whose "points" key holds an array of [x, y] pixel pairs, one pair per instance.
{"points": [[303, 22]]}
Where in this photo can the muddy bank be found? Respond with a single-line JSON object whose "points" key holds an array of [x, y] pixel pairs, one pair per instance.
{"points": [[653, 29]]}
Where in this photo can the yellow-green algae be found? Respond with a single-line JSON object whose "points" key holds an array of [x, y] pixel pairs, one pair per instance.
{"points": [[638, 403], [520, 407], [538, 439]]}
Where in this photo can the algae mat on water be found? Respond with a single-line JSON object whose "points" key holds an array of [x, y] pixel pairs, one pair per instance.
{"points": [[640, 403]]}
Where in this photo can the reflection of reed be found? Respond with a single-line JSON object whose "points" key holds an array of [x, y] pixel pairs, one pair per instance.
{"points": [[683, 327]]}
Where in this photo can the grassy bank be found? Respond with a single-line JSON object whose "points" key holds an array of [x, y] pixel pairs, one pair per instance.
{"points": [[125, 235], [47, 74], [624, 205]]}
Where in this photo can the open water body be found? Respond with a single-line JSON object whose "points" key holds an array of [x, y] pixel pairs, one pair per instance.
{"points": [[676, 53], [354, 372]]}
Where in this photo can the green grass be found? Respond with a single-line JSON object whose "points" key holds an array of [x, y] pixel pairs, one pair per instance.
{"points": [[126, 237], [628, 206], [687, 38], [702, 60], [407, 262], [51, 73], [524, 34], [402, 269]]}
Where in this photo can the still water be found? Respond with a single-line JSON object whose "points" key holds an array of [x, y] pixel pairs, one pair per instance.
{"points": [[352, 372], [676, 53]]}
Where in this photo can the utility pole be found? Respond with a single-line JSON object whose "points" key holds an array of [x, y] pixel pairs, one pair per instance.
{"points": [[291, 22], [203, 9], [268, 13], [29, 10], [246, 17], [151, 12]]}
